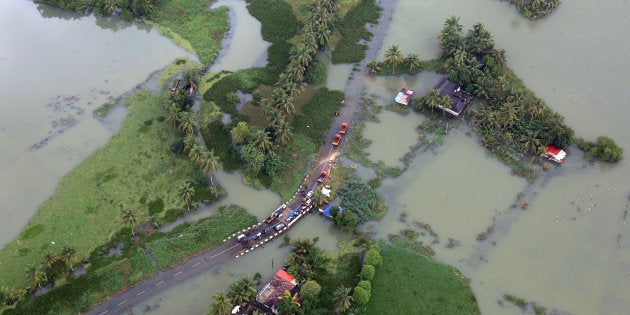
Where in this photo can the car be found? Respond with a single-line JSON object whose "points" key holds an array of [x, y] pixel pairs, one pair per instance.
{"points": [[241, 238], [322, 177], [258, 235], [307, 204], [336, 140], [309, 194], [344, 127], [289, 218], [269, 219], [279, 227]]}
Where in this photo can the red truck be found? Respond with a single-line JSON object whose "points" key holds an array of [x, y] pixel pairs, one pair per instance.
{"points": [[344, 128], [336, 140], [322, 177]]}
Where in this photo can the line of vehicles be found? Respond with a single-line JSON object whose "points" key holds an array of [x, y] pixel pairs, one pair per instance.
{"points": [[342, 131]]}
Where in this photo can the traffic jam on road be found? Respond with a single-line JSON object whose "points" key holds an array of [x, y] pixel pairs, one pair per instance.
{"points": [[285, 216]]}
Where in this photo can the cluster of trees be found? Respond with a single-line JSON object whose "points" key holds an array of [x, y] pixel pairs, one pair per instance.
{"points": [[52, 267], [514, 117], [240, 292], [181, 118], [604, 148], [360, 202], [534, 9], [394, 58], [125, 8], [363, 290], [280, 107]]}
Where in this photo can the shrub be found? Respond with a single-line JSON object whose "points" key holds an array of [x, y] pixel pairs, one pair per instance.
{"points": [[361, 296], [316, 72], [310, 290], [604, 149], [367, 272], [365, 284], [373, 257]]}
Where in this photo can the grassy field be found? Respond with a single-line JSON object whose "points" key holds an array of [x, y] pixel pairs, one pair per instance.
{"points": [[134, 169], [179, 65], [411, 283], [193, 26], [191, 238], [108, 275]]}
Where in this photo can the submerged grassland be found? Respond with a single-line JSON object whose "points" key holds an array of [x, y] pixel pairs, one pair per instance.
{"points": [[134, 170]]}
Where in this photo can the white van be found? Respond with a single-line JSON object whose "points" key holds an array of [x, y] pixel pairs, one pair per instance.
{"points": [[241, 238]]}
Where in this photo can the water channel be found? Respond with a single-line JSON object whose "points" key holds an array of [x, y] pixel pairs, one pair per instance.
{"points": [[568, 251]]}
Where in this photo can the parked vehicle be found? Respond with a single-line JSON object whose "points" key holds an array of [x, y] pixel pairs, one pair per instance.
{"points": [[241, 238], [258, 235], [336, 140], [344, 128], [322, 177], [269, 219], [279, 227], [309, 194]]}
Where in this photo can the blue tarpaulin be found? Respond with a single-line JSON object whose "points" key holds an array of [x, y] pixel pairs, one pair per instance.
{"points": [[326, 211]]}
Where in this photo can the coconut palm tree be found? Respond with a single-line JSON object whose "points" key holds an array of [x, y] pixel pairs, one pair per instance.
{"points": [[374, 66], [263, 141], [210, 164], [394, 57], [530, 141], [283, 132], [196, 154], [185, 193], [129, 217], [243, 290], [69, 255], [413, 61], [50, 260], [220, 304], [319, 198], [36, 276], [432, 98], [188, 122], [288, 304], [190, 78], [189, 142], [342, 299]]}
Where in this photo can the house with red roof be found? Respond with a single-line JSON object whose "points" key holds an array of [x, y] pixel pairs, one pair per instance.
{"points": [[274, 289]]}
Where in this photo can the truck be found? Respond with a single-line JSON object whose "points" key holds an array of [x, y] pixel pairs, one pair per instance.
{"points": [[344, 128], [336, 140], [322, 177]]}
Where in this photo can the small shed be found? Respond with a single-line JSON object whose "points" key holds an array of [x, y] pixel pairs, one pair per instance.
{"points": [[459, 98], [404, 96]]}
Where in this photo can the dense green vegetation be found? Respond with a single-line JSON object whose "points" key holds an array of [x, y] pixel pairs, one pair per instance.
{"points": [[604, 149], [353, 29], [170, 248], [192, 20], [535, 9], [216, 136], [317, 114], [360, 203], [433, 287], [107, 275], [125, 8], [132, 170]]}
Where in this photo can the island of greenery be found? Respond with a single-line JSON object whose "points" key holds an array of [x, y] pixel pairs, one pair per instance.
{"points": [[535, 9]]}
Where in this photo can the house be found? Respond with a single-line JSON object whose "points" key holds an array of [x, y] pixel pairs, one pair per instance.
{"points": [[274, 289], [554, 153], [459, 98], [404, 96]]}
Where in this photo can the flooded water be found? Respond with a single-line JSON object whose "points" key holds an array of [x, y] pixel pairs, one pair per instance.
{"points": [[391, 126], [568, 251], [243, 46], [194, 295], [54, 72]]}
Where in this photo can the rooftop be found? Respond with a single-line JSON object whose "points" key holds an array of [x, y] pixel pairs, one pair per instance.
{"points": [[282, 281], [459, 98]]}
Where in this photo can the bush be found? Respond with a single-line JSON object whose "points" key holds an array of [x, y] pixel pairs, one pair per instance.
{"points": [[310, 290], [217, 138], [360, 199], [372, 257], [361, 296], [365, 284], [604, 149], [316, 72], [367, 272]]}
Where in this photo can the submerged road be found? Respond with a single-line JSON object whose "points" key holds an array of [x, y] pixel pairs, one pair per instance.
{"points": [[230, 249]]}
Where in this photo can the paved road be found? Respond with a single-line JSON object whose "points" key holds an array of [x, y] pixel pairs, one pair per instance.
{"points": [[230, 249]]}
